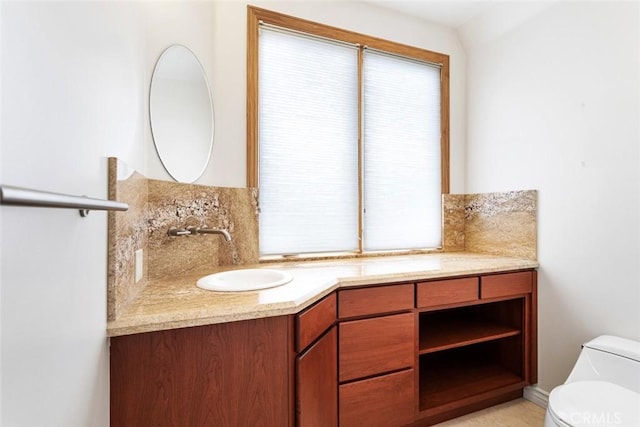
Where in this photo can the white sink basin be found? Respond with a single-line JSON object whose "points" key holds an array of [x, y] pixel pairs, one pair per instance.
{"points": [[249, 279]]}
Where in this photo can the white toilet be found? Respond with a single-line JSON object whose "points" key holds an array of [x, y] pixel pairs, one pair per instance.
{"points": [[603, 388]]}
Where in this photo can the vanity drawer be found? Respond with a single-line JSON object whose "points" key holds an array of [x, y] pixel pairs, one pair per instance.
{"points": [[384, 401], [374, 346], [313, 321], [375, 300], [500, 285], [451, 291]]}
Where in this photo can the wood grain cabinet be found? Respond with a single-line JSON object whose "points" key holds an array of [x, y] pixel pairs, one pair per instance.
{"points": [[376, 356], [381, 356], [476, 344], [380, 401], [316, 375], [439, 293], [229, 374]]}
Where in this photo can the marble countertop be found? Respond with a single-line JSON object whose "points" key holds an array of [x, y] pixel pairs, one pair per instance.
{"points": [[177, 302]]}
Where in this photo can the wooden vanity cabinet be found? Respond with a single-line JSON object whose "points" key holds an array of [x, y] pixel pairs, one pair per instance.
{"points": [[316, 366], [228, 374], [273, 372], [476, 343], [381, 355], [376, 356]]}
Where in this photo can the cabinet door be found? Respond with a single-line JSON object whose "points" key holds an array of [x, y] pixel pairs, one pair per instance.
{"points": [[317, 383], [229, 374], [384, 401]]}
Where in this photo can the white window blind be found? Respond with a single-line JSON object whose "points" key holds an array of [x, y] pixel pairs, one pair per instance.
{"points": [[308, 144], [402, 166]]}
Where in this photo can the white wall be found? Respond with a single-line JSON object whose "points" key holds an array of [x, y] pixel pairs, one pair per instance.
{"points": [[75, 79], [1, 97], [68, 93], [554, 105], [75, 83]]}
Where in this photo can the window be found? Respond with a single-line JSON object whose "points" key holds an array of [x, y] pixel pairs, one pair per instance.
{"points": [[347, 139]]}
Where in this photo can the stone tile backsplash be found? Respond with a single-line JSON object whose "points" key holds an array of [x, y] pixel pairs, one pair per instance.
{"points": [[156, 206], [494, 223]]}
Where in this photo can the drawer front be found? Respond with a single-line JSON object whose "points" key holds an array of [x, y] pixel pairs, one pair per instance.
{"points": [[385, 401], [375, 300], [374, 346], [501, 285], [442, 292], [313, 321]]}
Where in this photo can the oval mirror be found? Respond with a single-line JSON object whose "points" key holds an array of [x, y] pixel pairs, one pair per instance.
{"points": [[181, 114]]}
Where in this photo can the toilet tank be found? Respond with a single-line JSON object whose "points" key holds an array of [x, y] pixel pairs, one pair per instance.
{"points": [[609, 358]]}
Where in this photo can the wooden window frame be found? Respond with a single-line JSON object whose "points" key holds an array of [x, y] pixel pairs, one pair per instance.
{"points": [[257, 15]]}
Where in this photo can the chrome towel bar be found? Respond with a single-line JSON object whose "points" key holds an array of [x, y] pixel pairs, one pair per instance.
{"points": [[17, 196]]}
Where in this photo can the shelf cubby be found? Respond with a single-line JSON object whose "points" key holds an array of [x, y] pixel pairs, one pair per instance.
{"points": [[461, 373], [468, 353], [451, 328], [458, 333]]}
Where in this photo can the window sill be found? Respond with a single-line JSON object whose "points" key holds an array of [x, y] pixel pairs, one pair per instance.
{"points": [[344, 255]]}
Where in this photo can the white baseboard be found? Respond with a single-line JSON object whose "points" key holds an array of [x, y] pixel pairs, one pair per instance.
{"points": [[536, 395]]}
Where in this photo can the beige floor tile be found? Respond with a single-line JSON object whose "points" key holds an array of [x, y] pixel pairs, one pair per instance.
{"points": [[516, 413]]}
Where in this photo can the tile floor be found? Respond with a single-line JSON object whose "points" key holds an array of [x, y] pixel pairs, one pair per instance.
{"points": [[516, 413]]}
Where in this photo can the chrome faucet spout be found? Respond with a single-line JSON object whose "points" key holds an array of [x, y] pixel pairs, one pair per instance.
{"points": [[205, 230]]}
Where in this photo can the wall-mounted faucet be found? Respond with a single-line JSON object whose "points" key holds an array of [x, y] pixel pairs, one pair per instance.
{"points": [[175, 232], [193, 231], [206, 230]]}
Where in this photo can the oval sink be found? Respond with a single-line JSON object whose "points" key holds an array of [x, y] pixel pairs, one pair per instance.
{"points": [[249, 279]]}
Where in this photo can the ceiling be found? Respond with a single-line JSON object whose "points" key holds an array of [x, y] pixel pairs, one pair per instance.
{"points": [[452, 13]]}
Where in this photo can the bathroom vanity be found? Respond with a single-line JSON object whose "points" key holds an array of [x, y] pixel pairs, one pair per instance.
{"points": [[379, 347]]}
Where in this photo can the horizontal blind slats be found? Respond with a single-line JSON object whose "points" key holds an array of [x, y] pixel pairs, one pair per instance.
{"points": [[402, 197], [308, 145]]}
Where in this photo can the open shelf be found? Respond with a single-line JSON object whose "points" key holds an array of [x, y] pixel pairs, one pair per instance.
{"points": [[474, 355], [454, 333], [455, 375], [458, 327]]}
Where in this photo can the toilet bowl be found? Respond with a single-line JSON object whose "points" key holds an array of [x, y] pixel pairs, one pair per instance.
{"points": [[603, 389]]}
